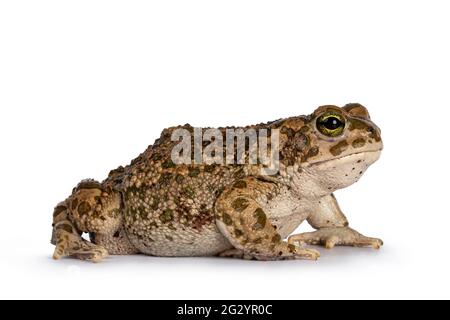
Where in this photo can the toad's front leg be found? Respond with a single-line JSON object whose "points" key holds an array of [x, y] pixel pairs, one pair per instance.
{"points": [[244, 223], [332, 228]]}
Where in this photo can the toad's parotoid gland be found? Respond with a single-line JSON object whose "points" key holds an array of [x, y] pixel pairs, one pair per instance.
{"points": [[230, 192]]}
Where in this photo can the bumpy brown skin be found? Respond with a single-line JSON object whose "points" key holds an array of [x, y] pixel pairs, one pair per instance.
{"points": [[158, 208]]}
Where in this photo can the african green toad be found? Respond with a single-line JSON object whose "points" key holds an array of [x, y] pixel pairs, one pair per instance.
{"points": [[156, 207]]}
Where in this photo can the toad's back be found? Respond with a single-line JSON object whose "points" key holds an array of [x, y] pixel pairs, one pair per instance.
{"points": [[168, 208]]}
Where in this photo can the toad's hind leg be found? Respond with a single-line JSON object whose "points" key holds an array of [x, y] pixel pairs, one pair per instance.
{"points": [[245, 224], [95, 210], [68, 241]]}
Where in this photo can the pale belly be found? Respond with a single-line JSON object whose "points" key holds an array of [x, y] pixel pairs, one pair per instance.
{"points": [[208, 242], [180, 243]]}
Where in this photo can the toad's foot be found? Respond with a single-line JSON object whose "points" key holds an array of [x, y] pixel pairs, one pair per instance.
{"points": [[69, 244], [299, 254], [330, 237]]}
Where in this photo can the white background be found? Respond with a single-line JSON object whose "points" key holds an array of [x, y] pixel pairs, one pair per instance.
{"points": [[85, 86]]}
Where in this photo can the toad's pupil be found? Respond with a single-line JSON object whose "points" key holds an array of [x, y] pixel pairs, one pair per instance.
{"points": [[332, 123]]}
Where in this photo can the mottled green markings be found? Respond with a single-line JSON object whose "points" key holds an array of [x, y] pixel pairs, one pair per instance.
{"points": [[301, 142], [74, 203], [66, 227], [142, 212], [291, 248], [261, 219], [156, 157], [314, 151], [84, 208], [210, 168], [154, 225], [298, 144], [359, 143], [240, 204], [227, 219], [276, 238], [239, 173], [179, 178], [374, 134], [155, 203], [338, 148], [241, 184], [288, 131], [189, 192], [361, 125], [357, 110], [258, 240], [58, 210], [304, 129], [357, 124], [194, 172], [168, 164], [166, 216], [90, 185], [165, 178]]}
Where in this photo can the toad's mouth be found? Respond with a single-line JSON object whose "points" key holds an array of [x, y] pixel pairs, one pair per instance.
{"points": [[371, 154]]}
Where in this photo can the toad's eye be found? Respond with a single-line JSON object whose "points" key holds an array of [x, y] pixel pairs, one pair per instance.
{"points": [[331, 124]]}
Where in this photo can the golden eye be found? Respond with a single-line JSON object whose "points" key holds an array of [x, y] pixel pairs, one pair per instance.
{"points": [[331, 124]]}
